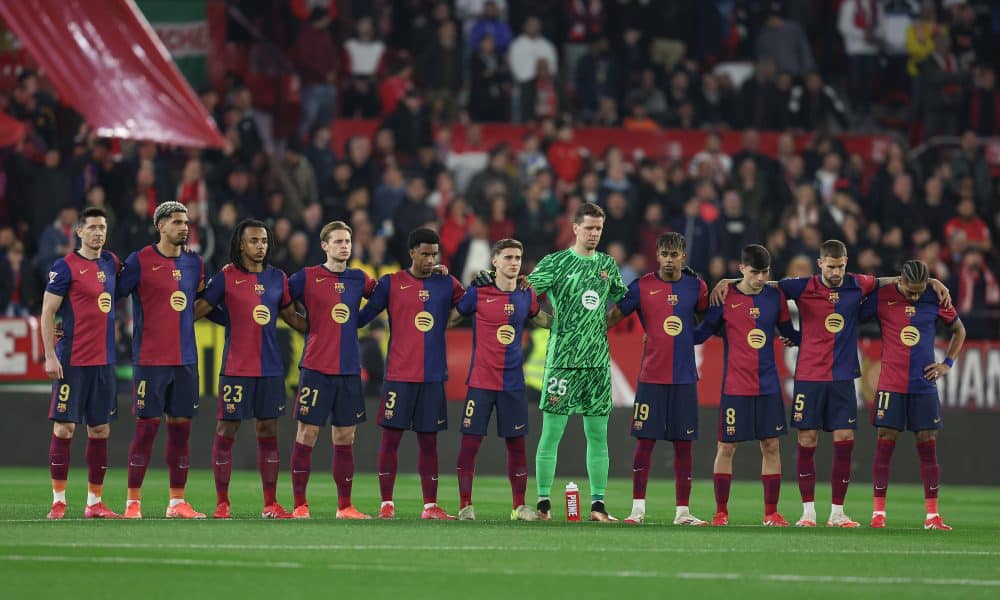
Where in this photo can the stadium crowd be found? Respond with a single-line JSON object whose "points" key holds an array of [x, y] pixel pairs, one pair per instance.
{"points": [[420, 67]]}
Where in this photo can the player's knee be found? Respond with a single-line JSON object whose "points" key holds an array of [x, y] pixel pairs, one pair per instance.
{"points": [[307, 434], [343, 436], [267, 427], [176, 420], [887, 434], [227, 428], [99, 431], [726, 450], [770, 446], [926, 436], [843, 435], [809, 438], [63, 430]]}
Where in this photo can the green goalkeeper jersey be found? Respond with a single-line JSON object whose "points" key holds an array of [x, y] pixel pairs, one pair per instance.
{"points": [[579, 288]]}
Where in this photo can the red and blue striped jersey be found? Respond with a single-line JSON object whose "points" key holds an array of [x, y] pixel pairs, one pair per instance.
{"points": [[163, 290], [666, 310], [828, 319], [907, 337], [87, 288], [251, 303], [418, 314], [746, 324], [332, 302], [497, 355]]}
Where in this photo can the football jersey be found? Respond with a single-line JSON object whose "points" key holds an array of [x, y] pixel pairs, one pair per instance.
{"points": [[497, 355], [828, 319], [163, 291], [332, 302], [908, 331], [579, 288], [87, 288], [666, 310], [250, 303], [418, 310], [746, 324]]}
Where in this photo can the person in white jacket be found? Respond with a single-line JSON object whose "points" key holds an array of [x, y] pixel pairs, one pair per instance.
{"points": [[861, 24], [523, 56]]}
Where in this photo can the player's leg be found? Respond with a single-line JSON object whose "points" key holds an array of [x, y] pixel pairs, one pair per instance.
{"points": [[594, 385], [268, 400], [233, 407], [649, 421], [512, 425], [348, 412], [889, 418], [807, 416], [101, 410], [553, 427], [682, 430], [841, 415], [65, 414], [722, 479], [181, 406], [147, 405], [924, 419], [736, 424], [430, 415], [313, 403], [475, 419], [395, 415], [306, 435], [771, 425]]}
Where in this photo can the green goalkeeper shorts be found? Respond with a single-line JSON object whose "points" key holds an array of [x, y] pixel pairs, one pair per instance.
{"points": [[584, 392]]}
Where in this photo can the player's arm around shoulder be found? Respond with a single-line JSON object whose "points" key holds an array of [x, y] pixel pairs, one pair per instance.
{"points": [[935, 371]]}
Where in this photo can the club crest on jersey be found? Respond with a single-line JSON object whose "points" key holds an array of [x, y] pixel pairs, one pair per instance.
{"points": [[754, 312], [424, 295], [230, 408], [388, 413], [672, 299], [303, 410], [258, 288], [834, 297], [101, 276], [637, 425], [176, 274], [508, 309], [466, 422], [553, 399], [911, 311], [338, 287]]}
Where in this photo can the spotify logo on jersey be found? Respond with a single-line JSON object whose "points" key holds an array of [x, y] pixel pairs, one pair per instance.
{"points": [[590, 299], [673, 325], [104, 302], [261, 314], [178, 301], [424, 321], [910, 336], [505, 334], [756, 339], [834, 323], [340, 313]]}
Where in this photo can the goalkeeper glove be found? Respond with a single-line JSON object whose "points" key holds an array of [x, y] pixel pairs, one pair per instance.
{"points": [[484, 278]]}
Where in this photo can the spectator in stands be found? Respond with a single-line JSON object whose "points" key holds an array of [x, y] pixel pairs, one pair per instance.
{"points": [[977, 233], [19, 285], [365, 172], [320, 155], [370, 346], [317, 59], [650, 96], [411, 214], [57, 239], [632, 58], [501, 226], [373, 257], [620, 224], [298, 253], [761, 99], [920, 38], [543, 97], [410, 125], [490, 24], [585, 20], [735, 228], [652, 187], [970, 161], [441, 71], [454, 228], [719, 163], [700, 235], [596, 76], [473, 254], [251, 142], [785, 43], [395, 86], [616, 250], [489, 83], [494, 179], [940, 89], [966, 34], [816, 105], [935, 210], [524, 55], [715, 107], [755, 194], [766, 166], [860, 24], [978, 297], [616, 180], [365, 55], [983, 109], [387, 198], [652, 226], [295, 178]]}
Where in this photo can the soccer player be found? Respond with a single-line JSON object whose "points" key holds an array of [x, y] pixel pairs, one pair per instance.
{"points": [[751, 407], [418, 302], [164, 280], [907, 396], [666, 400], [249, 292], [81, 291], [496, 374], [578, 281], [330, 370]]}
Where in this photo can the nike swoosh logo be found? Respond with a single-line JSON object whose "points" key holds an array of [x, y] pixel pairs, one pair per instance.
{"points": [[654, 292], [82, 271], [384, 474], [805, 474], [60, 464], [736, 305], [520, 474], [851, 420], [891, 302], [157, 267], [294, 472], [488, 300], [270, 461], [937, 419], [845, 481], [518, 427], [442, 421], [321, 279], [879, 488], [932, 488], [689, 431], [239, 281], [403, 287], [196, 405], [348, 479], [779, 427], [637, 470], [434, 478], [359, 415]]}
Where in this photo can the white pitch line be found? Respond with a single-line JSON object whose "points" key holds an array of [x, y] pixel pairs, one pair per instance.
{"points": [[477, 548], [765, 577]]}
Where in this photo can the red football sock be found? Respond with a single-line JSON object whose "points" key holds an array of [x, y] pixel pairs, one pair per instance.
{"points": [[222, 461], [466, 467], [178, 455], [59, 458], [772, 488], [805, 464], [683, 467], [930, 473], [880, 471], [840, 474], [722, 482], [301, 465], [139, 451], [517, 468], [268, 462], [343, 473], [642, 457], [388, 461], [97, 460], [427, 465]]}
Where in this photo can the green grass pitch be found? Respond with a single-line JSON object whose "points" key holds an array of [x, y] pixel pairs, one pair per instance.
{"points": [[492, 558]]}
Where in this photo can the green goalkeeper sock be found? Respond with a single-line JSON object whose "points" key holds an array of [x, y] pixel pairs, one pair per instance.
{"points": [[553, 427], [596, 430]]}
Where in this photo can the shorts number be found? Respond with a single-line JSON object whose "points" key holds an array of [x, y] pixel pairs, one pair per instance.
{"points": [[470, 408], [883, 401], [800, 402], [232, 393], [641, 412], [390, 400], [140, 390], [730, 416], [557, 386], [304, 395], [64, 392]]}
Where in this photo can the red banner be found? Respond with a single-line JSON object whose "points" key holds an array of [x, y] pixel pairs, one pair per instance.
{"points": [[105, 61], [22, 357], [11, 130]]}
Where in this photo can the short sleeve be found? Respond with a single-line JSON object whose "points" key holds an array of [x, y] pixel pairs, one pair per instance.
{"points": [[783, 314], [456, 290], [297, 285], [533, 308], [869, 308], [467, 305], [792, 287], [215, 290], [128, 280], [369, 285], [286, 297], [59, 278], [867, 283], [630, 302], [702, 296], [201, 274], [948, 315]]}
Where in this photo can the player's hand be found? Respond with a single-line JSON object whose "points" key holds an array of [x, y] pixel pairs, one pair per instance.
{"points": [[942, 291], [936, 371], [484, 278], [439, 270], [718, 295], [522, 282], [53, 368], [788, 342]]}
